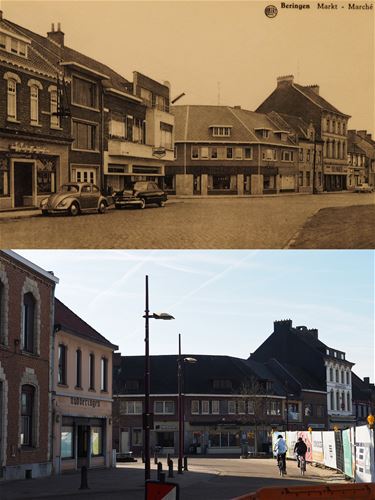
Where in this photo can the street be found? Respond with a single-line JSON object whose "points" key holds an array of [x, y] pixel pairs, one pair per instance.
{"points": [[264, 222], [207, 478], [267, 222]]}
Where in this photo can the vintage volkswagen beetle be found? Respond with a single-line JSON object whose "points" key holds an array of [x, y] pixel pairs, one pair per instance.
{"points": [[74, 198]]}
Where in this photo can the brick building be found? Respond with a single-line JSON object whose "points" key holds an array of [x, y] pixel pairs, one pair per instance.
{"points": [[26, 329], [34, 144], [224, 150], [361, 158], [330, 125]]}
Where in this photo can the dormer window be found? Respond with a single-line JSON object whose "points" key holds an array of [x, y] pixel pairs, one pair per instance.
{"points": [[13, 44], [264, 132], [221, 131]]}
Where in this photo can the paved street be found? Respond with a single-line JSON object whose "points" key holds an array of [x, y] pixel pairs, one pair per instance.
{"points": [[207, 479], [266, 222]]}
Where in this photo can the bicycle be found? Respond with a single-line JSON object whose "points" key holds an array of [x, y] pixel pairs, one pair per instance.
{"points": [[302, 464], [280, 465]]}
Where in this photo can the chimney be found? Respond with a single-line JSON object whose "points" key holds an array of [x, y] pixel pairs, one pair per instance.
{"points": [[362, 133], [314, 88], [368, 137], [56, 36], [283, 325], [366, 380], [285, 80], [237, 107]]}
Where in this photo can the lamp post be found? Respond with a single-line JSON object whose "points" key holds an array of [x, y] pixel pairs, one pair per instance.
{"points": [[181, 429], [147, 415]]}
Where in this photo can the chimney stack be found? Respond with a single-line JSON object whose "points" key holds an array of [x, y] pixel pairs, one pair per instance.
{"points": [[362, 133], [314, 88], [56, 36], [368, 137], [282, 325], [366, 380], [285, 80]]}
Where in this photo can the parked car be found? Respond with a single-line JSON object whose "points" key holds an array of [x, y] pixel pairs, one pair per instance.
{"points": [[363, 188], [74, 198], [143, 193]]}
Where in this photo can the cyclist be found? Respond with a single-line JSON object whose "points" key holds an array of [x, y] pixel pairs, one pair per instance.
{"points": [[300, 449], [280, 450]]}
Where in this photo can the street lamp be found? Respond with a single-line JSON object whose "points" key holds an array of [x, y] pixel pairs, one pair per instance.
{"points": [[181, 429], [147, 415]]}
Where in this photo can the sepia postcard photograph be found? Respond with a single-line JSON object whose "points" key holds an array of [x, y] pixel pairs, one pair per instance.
{"points": [[187, 124]]}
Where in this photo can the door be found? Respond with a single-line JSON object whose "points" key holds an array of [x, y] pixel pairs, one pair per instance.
{"points": [[23, 183], [83, 445], [124, 442]]}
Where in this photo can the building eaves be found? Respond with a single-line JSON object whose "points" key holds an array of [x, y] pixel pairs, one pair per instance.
{"points": [[317, 99], [34, 267]]}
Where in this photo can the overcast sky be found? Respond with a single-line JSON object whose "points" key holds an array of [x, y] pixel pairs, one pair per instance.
{"points": [[226, 51], [224, 302]]}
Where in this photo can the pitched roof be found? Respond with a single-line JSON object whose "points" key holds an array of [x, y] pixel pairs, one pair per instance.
{"points": [[67, 320], [193, 124], [292, 123], [198, 377], [53, 53], [317, 99]]}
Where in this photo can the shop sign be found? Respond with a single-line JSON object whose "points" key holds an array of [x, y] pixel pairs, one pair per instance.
{"points": [[336, 169], [21, 147], [78, 401]]}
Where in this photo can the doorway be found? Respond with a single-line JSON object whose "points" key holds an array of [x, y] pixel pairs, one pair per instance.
{"points": [[124, 444], [23, 183], [83, 445]]}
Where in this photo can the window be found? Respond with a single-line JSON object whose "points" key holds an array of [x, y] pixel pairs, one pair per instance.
{"points": [[53, 107], [269, 154], [138, 131], [204, 152], [241, 406], [300, 154], [28, 323], [348, 401], [166, 135], [96, 441], [117, 128], [92, 372], [131, 407], [308, 155], [67, 435], [205, 407], [331, 374], [224, 439], [307, 178], [78, 368], [332, 400], [137, 437], [213, 153], [61, 363], [274, 408], [2, 41], [84, 92], [287, 155], [222, 384], [221, 131], [337, 375], [27, 410], [165, 439], [342, 377], [238, 153], [34, 109], [164, 407], [161, 103], [248, 153], [300, 179], [146, 95], [104, 374], [12, 99], [194, 152], [215, 407], [195, 407], [348, 378], [84, 136], [250, 407], [319, 411], [231, 407], [229, 153]]}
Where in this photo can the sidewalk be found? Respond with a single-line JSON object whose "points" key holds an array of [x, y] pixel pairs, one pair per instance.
{"points": [[125, 482]]}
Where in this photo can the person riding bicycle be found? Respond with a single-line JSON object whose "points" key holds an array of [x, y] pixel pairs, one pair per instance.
{"points": [[300, 449], [280, 450]]}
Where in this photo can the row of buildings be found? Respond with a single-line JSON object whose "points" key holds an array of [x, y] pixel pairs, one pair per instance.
{"points": [[67, 399], [69, 117]]}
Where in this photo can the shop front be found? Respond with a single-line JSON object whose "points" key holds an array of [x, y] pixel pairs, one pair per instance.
{"points": [[30, 172], [83, 433], [335, 178]]}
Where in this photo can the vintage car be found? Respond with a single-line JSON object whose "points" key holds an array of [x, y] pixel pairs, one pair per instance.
{"points": [[74, 198], [363, 188], [143, 193]]}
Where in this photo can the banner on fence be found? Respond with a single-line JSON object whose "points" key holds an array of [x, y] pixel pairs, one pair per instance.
{"points": [[291, 439], [329, 449], [306, 436], [364, 470], [347, 445], [317, 447]]}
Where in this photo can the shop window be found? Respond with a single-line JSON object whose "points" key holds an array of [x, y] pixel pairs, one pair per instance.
{"points": [[46, 176], [78, 368], [224, 439], [96, 441], [104, 375], [67, 441], [92, 372], [61, 370], [84, 92], [165, 439], [4, 177], [27, 415], [28, 323]]}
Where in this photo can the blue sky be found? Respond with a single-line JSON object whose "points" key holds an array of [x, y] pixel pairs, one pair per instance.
{"points": [[224, 302]]}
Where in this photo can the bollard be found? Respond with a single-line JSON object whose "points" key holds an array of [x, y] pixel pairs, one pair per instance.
{"points": [[168, 457], [155, 457], [84, 485], [170, 468], [185, 463], [179, 466], [162, 477], [143, 458], [160, 470]]}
